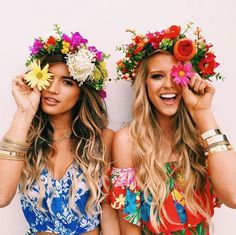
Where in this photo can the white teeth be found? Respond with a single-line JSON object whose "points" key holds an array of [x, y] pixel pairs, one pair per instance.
{"points": [[168, 96]]}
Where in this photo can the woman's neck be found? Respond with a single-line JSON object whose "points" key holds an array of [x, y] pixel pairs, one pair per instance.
{"points": [[167, 125], [61, 124]]}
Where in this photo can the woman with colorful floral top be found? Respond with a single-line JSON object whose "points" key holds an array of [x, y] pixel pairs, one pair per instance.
{"points": [[58, 145], [171, 161]]}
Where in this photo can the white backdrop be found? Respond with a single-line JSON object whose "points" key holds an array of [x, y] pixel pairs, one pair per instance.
{"points": [[104, 22]]}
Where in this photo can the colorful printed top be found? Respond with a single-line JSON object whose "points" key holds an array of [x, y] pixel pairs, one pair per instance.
{"points": [[57, 216], [126, 196]]}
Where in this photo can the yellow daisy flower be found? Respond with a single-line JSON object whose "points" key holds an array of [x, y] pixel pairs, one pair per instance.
{"points": [[37, 76]]}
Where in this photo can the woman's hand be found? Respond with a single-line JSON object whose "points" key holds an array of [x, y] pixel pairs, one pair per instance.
{"points": [[27, 99], [198, 95]]}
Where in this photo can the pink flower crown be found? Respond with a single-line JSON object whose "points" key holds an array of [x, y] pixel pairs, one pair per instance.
{"points": [[85, 63], [175, 42]]}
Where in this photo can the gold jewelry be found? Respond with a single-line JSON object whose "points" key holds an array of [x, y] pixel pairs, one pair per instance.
{"points": [[9, 155], [217, 149], [14, 145], [12, 153], [11, 146], [210, 133], [215, 139], [16, 142], [62, 138]]}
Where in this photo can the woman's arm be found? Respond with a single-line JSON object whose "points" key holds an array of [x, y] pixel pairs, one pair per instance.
{"points": [[122, 157], [109, 218], [27, 101], [222, 165]]}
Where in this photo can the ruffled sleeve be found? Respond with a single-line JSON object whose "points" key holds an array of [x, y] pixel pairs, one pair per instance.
{"points": [[125, 194]]}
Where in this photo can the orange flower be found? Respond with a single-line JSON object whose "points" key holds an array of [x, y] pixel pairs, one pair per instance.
{"points": [[184, 49]]}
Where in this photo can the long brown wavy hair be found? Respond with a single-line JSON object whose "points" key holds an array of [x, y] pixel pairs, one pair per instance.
{"points": [[147, 137], [89, 117]]}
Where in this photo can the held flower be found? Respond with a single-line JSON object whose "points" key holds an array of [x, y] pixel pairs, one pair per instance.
{"points": [[37, 76], [182, 73]]}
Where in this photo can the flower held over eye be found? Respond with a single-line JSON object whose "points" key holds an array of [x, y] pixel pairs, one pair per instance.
{"points": [[37, 76], [182, 73]]}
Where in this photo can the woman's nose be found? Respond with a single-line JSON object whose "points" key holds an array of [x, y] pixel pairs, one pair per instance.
{"points": [[54, 86], [169, 81]]}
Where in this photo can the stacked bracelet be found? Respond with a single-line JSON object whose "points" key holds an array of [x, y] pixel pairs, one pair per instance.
{"points": [[11, 149], [214, 141]]}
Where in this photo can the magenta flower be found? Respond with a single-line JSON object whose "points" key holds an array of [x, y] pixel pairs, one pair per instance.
{"points": [[98, 53], [75, 40], [103, 94], [182, 73], [36, 46]]}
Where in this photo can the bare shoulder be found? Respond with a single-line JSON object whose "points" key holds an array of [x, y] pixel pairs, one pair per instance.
{"points": [[122, 154], [108, 134]]}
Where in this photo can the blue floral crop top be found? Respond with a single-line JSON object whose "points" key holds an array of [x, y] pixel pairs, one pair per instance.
{"points": [[56, 216]]}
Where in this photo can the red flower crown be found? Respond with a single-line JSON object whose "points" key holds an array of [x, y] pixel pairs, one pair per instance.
{"points": [[173, 41]]}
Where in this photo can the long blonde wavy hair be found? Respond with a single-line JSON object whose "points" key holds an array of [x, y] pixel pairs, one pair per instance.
{"points": [[147, 137], [89, 117]]}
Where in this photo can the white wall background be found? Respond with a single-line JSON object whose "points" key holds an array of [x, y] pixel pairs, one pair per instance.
{"points": [[104, 22]]}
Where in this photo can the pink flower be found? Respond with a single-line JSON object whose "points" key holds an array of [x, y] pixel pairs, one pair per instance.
{"points": [[98, 53], [182, 73], [37, 46], [75, 40]]}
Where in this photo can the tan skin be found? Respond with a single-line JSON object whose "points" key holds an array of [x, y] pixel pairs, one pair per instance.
{"points": [[57, 101], [197, 98]]}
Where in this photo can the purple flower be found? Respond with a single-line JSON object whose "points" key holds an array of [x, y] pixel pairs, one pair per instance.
{"points": [[36, 46], [98, 53], [75, 40]]}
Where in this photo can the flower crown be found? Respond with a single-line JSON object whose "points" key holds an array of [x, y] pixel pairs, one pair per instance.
{"points": [[85, 63], [175, 42]]}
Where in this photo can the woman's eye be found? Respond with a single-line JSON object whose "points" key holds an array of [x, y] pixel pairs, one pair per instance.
{"points": [[68, 82], [157, 76]]}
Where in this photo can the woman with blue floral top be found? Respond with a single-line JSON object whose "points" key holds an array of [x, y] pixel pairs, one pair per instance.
{"points": [[58, 146], [165, 158]]}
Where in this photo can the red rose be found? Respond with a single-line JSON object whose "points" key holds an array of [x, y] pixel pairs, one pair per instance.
{"points": [[184, 49]]}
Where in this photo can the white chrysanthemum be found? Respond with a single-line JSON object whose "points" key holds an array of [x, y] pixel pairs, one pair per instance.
{"points": [[81, 64]]}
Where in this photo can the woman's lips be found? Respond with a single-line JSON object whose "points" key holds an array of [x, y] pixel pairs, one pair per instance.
{"points": [[168, 98], [51, 101]]}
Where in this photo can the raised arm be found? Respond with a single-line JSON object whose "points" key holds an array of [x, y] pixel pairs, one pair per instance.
{"points": [[14, 141], [221, 160]]}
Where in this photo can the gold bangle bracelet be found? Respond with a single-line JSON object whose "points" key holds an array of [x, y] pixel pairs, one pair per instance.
{"points": [[17, 142], [11, 157], [218, 148], [210, 133], [12, 153], [217, 143], [214, 139], [9, 146]]}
